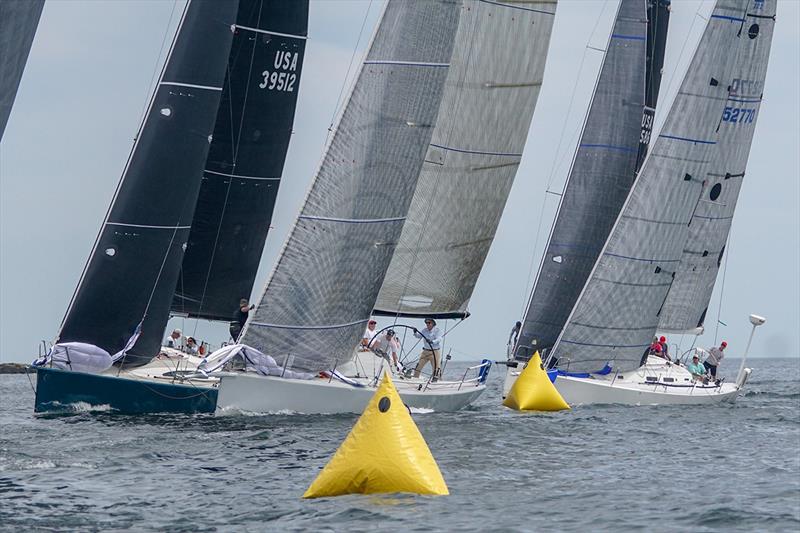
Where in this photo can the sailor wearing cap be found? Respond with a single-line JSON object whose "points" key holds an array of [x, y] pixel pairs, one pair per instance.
{"points": [[431, 347], [715, 356], [695, 368], [369, 333]]}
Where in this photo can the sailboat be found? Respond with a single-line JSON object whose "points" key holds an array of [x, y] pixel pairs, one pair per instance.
{"points": [[18, 23], [212, 144], [658, 264], [402, 211]]}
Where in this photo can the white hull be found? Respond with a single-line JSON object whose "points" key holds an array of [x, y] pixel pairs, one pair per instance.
{"points": [[245, 392], [656, 383]]}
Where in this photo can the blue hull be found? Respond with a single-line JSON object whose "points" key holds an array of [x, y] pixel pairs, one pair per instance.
{"points": [[57, 389]]}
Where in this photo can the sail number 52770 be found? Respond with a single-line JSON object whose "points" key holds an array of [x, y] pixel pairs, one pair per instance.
{"points": [[738, 114], [282, 78]]}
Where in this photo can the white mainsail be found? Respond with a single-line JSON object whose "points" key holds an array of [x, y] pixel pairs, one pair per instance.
{"points": [[620, 307], [327, 279], [491, 91]]}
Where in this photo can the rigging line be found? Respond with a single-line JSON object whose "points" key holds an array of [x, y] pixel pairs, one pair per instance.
{"points": [[347, 73], [722, 287], [446, 142], [680, 55], [557, 160]]}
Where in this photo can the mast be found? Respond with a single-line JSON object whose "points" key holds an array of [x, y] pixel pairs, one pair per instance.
{"points": [[620, 306], [490, 95], [131, 274], [18, 23], [245, 161], [615, 133], [326, 281]]}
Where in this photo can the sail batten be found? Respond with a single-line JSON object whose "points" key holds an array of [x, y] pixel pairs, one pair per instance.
{"points": [[490, 95], [670, 291], [323, 288]]}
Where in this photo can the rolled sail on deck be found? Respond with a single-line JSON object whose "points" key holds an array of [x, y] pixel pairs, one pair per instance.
{"points": [[490, 95], [621, 305], [324, 286], [245, 160]]}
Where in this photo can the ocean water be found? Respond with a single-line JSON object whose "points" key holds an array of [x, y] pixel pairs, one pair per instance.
{"points": [[722, 468]]}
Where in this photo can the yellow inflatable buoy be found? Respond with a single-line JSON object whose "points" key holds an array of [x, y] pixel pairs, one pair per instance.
{"points": [[384, 452], [533, 390]]}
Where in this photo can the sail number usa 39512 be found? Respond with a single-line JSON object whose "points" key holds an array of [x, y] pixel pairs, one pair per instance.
{"points": [[282, 78]]}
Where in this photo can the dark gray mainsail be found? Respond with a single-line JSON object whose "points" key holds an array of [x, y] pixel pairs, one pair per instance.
{"points": [[615, 133], [492, 87], [690, 293], [18, 22], [245, 160], [131, 274], [620, 307], [324, 286]]}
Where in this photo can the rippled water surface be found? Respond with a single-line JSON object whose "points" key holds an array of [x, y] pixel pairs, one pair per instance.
{"points": [[730, 467]]}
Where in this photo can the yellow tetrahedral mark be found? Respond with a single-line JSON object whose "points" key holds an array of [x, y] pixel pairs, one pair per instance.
{"points": [[533, 390], [384, 452]]}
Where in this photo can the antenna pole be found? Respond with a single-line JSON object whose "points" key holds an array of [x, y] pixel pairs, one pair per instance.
{"points": [[755, 321]]}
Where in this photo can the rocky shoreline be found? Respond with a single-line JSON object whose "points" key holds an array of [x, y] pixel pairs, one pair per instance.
{"points": [[14, 368]]}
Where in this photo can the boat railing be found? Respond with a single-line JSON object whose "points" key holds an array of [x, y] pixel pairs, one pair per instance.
{"points": [[482, 373]]}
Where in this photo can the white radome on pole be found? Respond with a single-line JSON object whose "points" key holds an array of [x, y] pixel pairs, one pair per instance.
{"points": [[756, 321]]}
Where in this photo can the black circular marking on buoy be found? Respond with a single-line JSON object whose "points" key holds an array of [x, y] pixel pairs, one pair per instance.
{"points": [[384, 404], [715, 191], [753, 31]]}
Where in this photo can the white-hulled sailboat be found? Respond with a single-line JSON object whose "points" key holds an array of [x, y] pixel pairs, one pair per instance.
{"points": [[657, 268], [413, 183]]}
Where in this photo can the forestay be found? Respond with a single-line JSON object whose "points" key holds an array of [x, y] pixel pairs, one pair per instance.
{"points": [[619, 309], [327, 279], [131, 274], [689, 296], [18, 23], [601, 176], [490, 95], [245, 160]]}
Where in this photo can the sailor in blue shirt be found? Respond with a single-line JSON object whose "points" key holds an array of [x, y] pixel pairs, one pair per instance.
{"points": [[431, 348], [695, 368]]}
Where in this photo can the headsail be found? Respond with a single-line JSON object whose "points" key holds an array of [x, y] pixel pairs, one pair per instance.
{"points": [[18, 23], [324, 286], [615, 135], [619, 309], [132, 271], [690, 293], [245, 161], [490, 95]]}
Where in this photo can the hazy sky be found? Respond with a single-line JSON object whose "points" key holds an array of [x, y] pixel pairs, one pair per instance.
{"points": [[90, 75]]}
